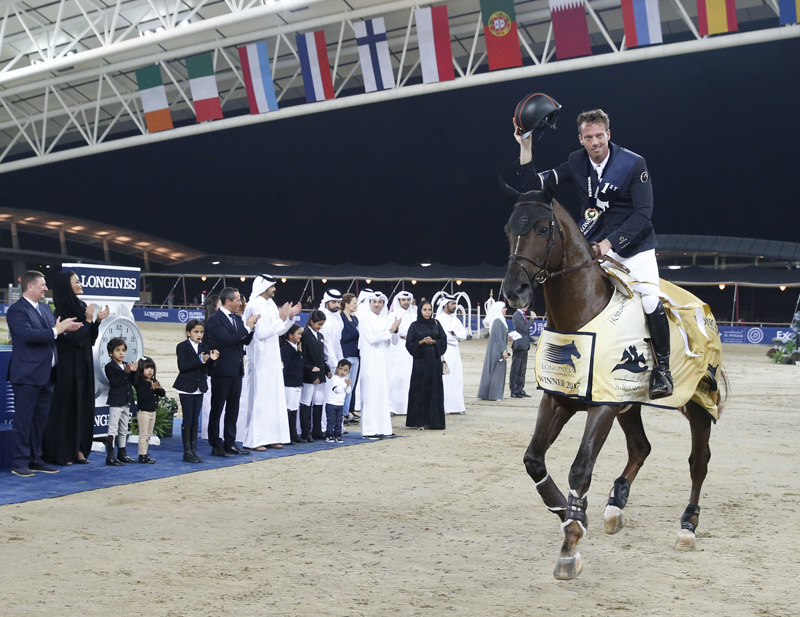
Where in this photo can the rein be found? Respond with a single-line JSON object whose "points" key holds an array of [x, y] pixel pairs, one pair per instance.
{"points": [[543, 275]]}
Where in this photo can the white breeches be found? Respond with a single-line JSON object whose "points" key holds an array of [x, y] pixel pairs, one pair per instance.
{"points": [[644, 268]]}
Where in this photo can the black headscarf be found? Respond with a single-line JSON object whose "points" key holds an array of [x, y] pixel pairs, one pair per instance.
{"points": [[67, 303], [426, 327]]}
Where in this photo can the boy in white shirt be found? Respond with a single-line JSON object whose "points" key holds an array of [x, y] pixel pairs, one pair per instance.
{"points": [[334, 406]]}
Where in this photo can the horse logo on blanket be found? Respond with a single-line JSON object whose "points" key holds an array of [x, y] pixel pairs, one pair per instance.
{"points": [[632, 361], [561, 354]]}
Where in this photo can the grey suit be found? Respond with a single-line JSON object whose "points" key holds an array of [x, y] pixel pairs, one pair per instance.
{"points": [[519, 352]]}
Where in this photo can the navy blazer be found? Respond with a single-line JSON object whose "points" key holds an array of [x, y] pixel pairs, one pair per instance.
{"points": [[34, 343], [192, 372], [626, 220], [120, 385], [230, 342], [522, 325]]}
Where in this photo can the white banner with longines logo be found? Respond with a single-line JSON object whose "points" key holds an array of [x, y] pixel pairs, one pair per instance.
{"points": [[107, 283]]}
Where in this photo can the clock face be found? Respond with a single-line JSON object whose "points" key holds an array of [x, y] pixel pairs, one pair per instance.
{"points": [[117, 327]]}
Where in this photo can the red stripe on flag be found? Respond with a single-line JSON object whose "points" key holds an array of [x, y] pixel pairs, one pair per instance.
{"points": [[629, 23], [571, 32], [324, 69], [702, 17], [208, 109], [248, 80], [503, 51], [730, 11], [441, 41]]}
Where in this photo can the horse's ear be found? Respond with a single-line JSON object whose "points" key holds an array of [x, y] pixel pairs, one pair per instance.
{"points": [[511, 193]]}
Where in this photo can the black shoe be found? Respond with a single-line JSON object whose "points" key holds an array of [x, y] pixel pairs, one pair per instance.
{"points": [[236, 451], [22, 472], [146, 459], [188, 457], [524, 394], [318, 436], [307, 439], [218, 451], [515, 395], [42, 468], [122, 456], [114, 461]]}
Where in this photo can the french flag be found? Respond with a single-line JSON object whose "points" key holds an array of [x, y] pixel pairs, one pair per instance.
{"points": [[642, 22], [258, 78], [373, 52], [314, 62], [436, 55]]}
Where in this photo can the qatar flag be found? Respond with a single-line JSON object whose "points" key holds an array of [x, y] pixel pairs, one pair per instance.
{"points": [[570, 29]]}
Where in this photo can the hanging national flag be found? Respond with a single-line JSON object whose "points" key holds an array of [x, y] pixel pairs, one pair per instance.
{"points": [[154, 99], [642, 21], [716, 16], [435, 53], [258, 78], [204, 87], [314, 61], [500, 32], [570, 29], [790, 10], [373, 51]]}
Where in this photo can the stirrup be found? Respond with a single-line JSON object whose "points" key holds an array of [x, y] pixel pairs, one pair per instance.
{"points": [[660, 383]]}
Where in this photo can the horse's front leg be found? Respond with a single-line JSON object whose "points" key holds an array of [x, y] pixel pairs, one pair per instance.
{"points": [[638, 450], [553, 415], [598, 425], [700, 423]]}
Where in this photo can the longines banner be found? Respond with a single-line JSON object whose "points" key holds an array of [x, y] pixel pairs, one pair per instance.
{"points": [[107, 281]]}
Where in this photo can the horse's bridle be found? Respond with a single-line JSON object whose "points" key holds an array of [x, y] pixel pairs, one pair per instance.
{"points": [[543, 275], [515, 258]]}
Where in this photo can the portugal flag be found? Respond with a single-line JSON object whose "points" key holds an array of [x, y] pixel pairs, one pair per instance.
{"points": [[500, 32]]}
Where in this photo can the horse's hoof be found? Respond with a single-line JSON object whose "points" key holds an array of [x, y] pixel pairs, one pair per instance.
{"points": [[614, 519], [685, 541], [568, 568]]}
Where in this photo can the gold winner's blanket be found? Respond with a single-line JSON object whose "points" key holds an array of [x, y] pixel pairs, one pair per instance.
{"points": [[608, 361]]}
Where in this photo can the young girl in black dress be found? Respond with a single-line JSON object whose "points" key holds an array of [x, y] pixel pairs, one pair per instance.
{"points": [[148, 391]]}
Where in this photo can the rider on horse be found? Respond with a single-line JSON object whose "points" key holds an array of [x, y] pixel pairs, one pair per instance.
{"points": [[616, 197]]}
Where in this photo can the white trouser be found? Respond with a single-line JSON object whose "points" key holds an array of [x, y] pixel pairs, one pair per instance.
{"points": [[644, 268]]}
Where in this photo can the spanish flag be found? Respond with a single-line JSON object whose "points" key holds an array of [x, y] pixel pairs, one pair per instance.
{"points": [[500, 32], [716, 16]]}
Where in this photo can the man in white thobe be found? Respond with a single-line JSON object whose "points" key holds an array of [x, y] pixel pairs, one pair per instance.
{"points": [[267, 423], [400, 361], [377, 331], [454, 382]]}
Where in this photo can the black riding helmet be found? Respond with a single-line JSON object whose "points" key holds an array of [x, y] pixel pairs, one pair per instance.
{"points": [[535, 113]]}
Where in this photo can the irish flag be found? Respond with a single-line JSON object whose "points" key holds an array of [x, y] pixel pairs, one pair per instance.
{"points": [[500, 33], [716, 16], [154, 99], [570, 29], [258, 78], [204, 87], [435, 53]]}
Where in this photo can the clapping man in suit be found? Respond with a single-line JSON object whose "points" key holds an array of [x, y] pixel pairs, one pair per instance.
{"points": [[229, 335], [519, 353], [31, 371]]}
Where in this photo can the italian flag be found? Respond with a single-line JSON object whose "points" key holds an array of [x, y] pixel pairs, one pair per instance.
{"points": [[154, 99], [204, 87]]}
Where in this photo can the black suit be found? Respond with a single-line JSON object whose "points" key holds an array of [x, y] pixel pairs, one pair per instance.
{"points": [[519, 352], [192, 371], [313, 356], [31, 374], [226, 380]]}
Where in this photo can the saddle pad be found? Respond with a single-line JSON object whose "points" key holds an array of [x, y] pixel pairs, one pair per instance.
{"points": [[608, 361]]}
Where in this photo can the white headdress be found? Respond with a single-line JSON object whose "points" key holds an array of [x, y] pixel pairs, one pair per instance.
{"points": [[442, 301], [396, 302], [330, 295], [261, 284], [496, 312]]}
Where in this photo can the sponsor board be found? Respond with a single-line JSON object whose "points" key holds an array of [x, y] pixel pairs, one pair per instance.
{"points": [[173, 315], [110, 282]]}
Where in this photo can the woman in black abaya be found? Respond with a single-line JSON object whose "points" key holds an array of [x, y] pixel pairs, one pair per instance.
{"points": [[426, 342], [70, 425]]}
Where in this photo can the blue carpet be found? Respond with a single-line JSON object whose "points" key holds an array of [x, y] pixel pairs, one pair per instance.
{"points": [[80, 478]]}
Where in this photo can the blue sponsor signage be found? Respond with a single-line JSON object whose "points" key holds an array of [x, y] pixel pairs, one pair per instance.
{"points": [[173, 315]]}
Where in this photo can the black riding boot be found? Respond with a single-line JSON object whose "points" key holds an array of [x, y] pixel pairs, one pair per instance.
{"points": [[193, 444], [661, 379], [316, 431], [110, 458], [305, 423], [187, 445], [122, 455], [293, 426]]}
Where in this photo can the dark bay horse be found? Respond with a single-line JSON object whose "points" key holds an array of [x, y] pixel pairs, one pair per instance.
{"points": [[547, 248]]}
